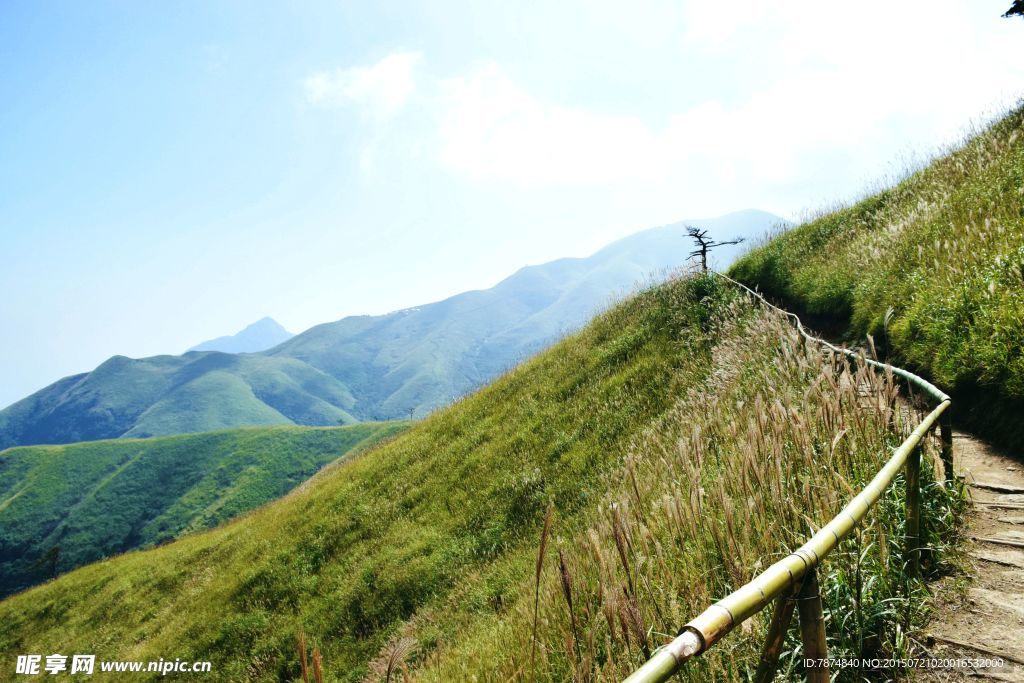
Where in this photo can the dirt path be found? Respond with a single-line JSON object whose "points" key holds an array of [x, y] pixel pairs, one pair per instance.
{"points": [[985, 618]]}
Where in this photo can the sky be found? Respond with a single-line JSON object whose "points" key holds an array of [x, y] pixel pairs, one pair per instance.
{"points": [[171, 172]]}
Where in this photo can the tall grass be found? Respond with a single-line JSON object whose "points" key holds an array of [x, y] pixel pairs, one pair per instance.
{"points": [[932, 267]]}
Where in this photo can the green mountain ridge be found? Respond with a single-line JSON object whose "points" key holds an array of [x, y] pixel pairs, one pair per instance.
{"points": [[197, 392], [394, 366], [83, 502]]}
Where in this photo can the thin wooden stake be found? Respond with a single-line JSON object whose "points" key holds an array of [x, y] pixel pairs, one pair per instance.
{"points": [[979, 648], [912, 534], [773, 641], [946, 434], [812, 629], [997, 488], [1012, 542]]}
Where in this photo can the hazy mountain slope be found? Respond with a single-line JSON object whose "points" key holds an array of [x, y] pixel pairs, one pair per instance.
{"points": [[362, 367], [660, 415], [425, 357], [933, 268], [91, 500], [259, 336]]}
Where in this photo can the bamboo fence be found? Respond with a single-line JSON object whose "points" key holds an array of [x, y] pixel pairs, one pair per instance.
{"points": [[795, 576]]}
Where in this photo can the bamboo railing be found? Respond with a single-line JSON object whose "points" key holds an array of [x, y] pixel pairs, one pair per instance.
{"points": [[794, 578]]}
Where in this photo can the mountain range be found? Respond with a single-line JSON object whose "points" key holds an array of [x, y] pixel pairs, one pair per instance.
{"points": [[403, 364]]}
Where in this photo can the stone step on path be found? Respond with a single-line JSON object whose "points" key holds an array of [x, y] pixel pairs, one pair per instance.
{"points": [[987, 619]]}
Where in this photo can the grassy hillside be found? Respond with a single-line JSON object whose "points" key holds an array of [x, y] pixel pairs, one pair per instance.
{"points": [[933, 268], [681, 437], [361, 367], [65, 506]]}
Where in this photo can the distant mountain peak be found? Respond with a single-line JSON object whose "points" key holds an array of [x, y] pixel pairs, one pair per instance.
{"points": [[410, 361], [261, 335]]}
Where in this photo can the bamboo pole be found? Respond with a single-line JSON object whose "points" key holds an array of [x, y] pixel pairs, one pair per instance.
{"points": [[773, 641], [946, 434], [732, 610], [919, 382], [812, 630], [912, 532], [666, 660]]}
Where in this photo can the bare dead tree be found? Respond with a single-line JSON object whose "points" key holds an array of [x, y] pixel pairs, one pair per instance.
{"points": [[705, 244]]}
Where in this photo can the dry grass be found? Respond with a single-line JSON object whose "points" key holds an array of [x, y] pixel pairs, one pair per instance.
{"points": [[318, 673]]}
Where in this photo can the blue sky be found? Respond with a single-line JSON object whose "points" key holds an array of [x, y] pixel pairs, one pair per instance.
{"points": [[170, 172]]}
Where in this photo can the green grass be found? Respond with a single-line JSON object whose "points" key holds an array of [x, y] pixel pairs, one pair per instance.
{"points": [[933, 268], [684, 395], [87, 501]]}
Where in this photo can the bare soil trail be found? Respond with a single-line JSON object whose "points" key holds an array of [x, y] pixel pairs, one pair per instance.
{"points": [[980, 615]]}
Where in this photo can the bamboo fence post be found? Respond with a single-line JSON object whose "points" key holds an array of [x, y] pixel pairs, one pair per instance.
{"points": [[946, 433], [812, 628], [773, 641], [912, 534]]}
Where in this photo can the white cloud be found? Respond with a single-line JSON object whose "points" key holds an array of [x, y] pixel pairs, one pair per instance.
{"points": [[382, 88], [788, 105], [711, 24], [489, 127], [492, 129], [844, 90]]}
